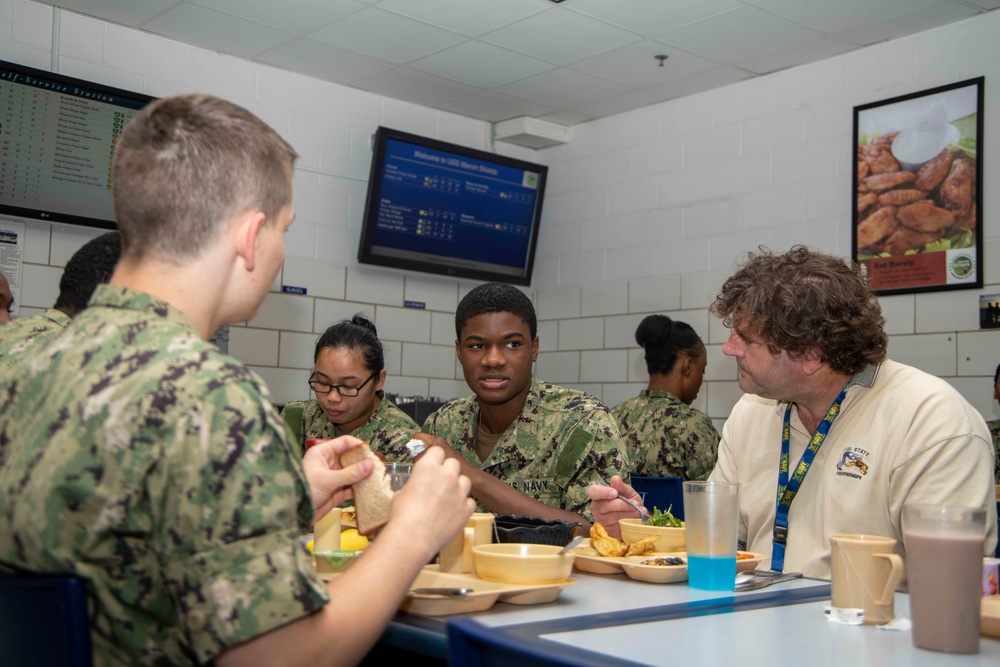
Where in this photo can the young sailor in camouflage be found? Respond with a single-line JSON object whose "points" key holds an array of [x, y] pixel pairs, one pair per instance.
{"points": [[137, 457], [563, 441], [665, 436], [89, 266], [348, 376], [530, 448]]}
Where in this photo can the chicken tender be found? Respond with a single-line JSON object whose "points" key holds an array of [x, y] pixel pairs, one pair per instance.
{"points": [[904, 239], [967, 221], [877, 226], [901, 196], [931, 174], [883, 182], [880, 159], [956, 190], [924, 216], [866, 199]]}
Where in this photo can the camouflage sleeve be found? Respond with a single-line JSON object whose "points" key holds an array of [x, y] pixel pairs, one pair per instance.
{"points": [[294, 415], [594, 448], [702, 446], [390, 432], [233, 505]]}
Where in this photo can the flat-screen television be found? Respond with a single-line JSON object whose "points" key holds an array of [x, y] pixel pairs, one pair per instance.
{"points": [[446, 209], [57, 140]]}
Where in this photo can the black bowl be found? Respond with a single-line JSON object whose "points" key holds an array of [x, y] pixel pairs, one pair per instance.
{"points": [[533, 530]]}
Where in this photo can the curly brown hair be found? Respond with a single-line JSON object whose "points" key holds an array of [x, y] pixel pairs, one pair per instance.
{"points": [[804, 300]]}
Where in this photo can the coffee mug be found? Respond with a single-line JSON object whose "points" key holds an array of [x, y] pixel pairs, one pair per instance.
{"points": [[456, 556], [866, 572]]}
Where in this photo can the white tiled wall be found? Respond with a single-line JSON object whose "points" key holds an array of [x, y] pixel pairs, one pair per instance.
{"points": [[646, 212]]}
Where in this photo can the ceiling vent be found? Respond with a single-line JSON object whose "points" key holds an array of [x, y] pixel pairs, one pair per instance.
{"points": [[531, 132]]}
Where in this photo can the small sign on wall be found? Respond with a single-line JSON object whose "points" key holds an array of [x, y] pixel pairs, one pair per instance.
{"points": [[989, 311]]}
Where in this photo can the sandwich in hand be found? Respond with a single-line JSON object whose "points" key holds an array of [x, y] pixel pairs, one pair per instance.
{"points": [[372, 495]]}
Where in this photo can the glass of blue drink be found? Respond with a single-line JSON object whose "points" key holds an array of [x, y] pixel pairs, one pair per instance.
{"points": [[711, 513]]}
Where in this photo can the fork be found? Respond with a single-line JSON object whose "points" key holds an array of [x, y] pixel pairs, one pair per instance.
{"points": [[643, 514]]}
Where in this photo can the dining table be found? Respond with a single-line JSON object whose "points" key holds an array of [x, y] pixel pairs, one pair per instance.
{"points": [[615, 621]]}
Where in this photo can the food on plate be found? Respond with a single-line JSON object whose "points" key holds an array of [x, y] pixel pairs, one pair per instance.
{"points": [[664, 561], [924, 216], [608, 546], [901, 197], [372, 495], [931, 174], [744, 555], [956, 191], [604, 544], [877, 226], [347, 514], [893, 179], [664, 518], [351, 540]]}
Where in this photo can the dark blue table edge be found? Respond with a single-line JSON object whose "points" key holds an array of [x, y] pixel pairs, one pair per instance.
{"points": [[427, 635]]}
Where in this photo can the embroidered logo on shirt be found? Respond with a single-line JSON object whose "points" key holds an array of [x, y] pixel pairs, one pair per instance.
{"points": [[853, 458]]}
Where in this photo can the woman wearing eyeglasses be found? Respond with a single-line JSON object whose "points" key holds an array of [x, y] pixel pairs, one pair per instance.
{"points": [[348, 375]]}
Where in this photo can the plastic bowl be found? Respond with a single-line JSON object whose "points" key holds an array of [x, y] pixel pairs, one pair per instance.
{"points": [[522, 563], [335, 562], [669, 538], [512, 529]]}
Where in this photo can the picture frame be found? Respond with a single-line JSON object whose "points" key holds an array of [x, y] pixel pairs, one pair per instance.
{"points": [[917, 190]]}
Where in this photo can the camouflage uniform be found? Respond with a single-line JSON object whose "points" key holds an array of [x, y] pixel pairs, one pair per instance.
{"points": [[137, 456], [665, 437], [387, 430], [563, 441], [995, 432], [20, 336]]}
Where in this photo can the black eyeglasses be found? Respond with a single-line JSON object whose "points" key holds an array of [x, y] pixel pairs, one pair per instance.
{"points": [[321, 387]]}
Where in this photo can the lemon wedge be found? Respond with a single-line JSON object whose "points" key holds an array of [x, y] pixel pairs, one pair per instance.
{"points": [[350, 540], [310, 545]]}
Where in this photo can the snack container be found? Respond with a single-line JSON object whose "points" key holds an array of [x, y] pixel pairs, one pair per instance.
{"points": [[991, 576]]}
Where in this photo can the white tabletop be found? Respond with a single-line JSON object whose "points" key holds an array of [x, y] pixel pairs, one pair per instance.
{"points": [[792, 634]]}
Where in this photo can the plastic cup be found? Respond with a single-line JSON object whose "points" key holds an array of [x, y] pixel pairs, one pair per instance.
{"points": [[398, 474], [711, 511], [866, 571], [944, 569]]}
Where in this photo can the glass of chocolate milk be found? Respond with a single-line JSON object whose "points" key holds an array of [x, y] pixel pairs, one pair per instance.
{"points": [[944, 566]]}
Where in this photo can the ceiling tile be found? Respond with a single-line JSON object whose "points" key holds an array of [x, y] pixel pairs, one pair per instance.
{"points": [[494, 107], [560, 37], [620, 104], [297, 16], [634, 64], [739, 35], [125, 12], [564, 88], [833, 17], [701, 82], [985, 4], [483, 65], [403, 83], [567, 117], [307, 56], [807, 53], [651, 17], [216, 31], [386, 36], [909, 24], [475, 18]]}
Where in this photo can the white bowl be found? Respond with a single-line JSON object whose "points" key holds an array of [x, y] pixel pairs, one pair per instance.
{"points": [[917, 145]]}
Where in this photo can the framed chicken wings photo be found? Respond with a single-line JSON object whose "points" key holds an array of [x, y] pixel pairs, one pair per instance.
{"points": [[917, 216]]}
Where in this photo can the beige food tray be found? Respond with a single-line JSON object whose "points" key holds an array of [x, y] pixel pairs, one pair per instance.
{"points": [[484, 593], [989, 618]]}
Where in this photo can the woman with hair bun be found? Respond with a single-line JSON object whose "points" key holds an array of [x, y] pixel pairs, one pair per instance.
{"points": [[347, 379], [665, 436]]}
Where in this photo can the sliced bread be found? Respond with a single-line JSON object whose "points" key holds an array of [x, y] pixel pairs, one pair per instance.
{"points": [[372, 495]]}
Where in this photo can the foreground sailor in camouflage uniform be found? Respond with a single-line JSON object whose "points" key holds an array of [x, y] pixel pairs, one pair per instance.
{"points": [[529, 447], [665, 436], [137, 456], [89, 267]]}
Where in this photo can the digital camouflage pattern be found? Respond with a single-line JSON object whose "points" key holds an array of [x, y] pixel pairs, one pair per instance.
{"points": [[387, 430], [136, 455], [22, 335], [665, 437], [995, 432], [563, 441]]}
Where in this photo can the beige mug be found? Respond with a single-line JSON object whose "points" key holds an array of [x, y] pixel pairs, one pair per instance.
{"points": [[456, 556], [866, 571]]}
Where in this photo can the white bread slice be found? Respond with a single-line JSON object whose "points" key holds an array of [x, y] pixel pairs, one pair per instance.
{"points": [[373, 494]]}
